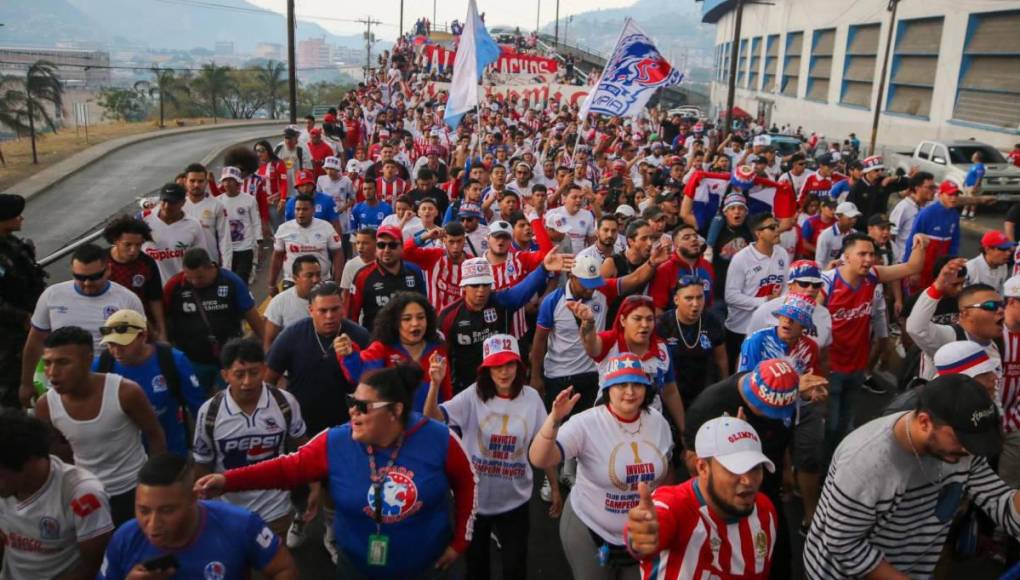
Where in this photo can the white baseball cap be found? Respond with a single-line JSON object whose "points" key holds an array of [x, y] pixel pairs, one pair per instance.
{"points": [[586, 270], [732, 442], [1011, 289], [625, 210], [231, 173], [762, 140], [848, 209], [501, 228], [499, 349], [475, 271], [964, 357], [557, 221], [331, 163]]}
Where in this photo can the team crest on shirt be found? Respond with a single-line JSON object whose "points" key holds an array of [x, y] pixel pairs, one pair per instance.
{"points": [[489, 315], [215, 570], [241, 211], [49, 528], [158, 384], [399, 496], [270, 423], [409, 281], [137, 280], [761, 545], [108, 311], [222, 291]]}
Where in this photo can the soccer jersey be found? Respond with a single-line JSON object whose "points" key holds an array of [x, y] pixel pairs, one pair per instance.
{"points": [[656, 362], [581, 226], [140, 276], [902, 222], [668, 275], [829, 244], [170, 241], [229, 542], [342, 192], [371, 216], [240, 440], [317, 239], [212, 216], [41, 534], [752, 279], [245, 226], [374, 285], [851, 319], [613, 457], [442, 274], [765, 344], [63, 304], [565, 355], [497, 434]]}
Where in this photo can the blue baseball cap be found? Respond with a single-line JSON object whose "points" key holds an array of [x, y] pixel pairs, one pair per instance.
{"points": [[625, 368]]}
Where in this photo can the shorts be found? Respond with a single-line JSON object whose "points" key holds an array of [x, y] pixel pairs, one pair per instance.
{"points": [[808, 450]]}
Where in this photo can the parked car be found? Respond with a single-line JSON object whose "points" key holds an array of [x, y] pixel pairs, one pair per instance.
{"points": [[785, 145], [687, 112], [951, 160]]}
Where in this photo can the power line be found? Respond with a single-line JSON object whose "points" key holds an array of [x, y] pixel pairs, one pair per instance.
{"points": [[263, 11], [149, 68]]}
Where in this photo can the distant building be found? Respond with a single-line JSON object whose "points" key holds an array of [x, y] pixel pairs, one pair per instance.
{"points": [[269, 51], [313, 53], [952, 72], [224, 48], [76, 68]]}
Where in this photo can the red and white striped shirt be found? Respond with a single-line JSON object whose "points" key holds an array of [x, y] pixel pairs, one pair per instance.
{"points": [[388, 191], [516, 266], [1009, 396], [442, 275], [695, 543]]}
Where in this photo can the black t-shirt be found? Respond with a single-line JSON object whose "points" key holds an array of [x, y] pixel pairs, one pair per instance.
{"points": [[465, 331], [729, 242], [697, 362], [442, 200], [946, 312], [313, 374]]}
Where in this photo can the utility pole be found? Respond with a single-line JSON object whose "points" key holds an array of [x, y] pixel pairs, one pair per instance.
{"points": [[369, 41], [401, 17], [881, 80], [538, 14], [556, 30], [732, 84], [292, 61]]}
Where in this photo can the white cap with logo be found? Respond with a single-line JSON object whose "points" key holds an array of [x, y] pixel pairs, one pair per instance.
{"points": [[586, 269], [501, 227], [229, 172], [1011, 289], [848, 209], [332, 162], [475, 271], [732, 442]]}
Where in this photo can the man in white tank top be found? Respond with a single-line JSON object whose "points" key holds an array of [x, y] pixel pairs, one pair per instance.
{"points": [[102, 416], [54, 517]]}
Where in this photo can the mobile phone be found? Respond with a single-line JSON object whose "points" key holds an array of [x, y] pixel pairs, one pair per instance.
{"points": [[166, 562]]}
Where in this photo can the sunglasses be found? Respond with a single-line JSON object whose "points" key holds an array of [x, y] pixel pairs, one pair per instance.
{"points": [[119, 329], [689, 280], [989, 305], [90, 277], [815, 285], [364, 407], [769, 227], [387, 245]]}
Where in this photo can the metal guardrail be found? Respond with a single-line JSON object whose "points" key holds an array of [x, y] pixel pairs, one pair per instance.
{"points": [[70, 248]]}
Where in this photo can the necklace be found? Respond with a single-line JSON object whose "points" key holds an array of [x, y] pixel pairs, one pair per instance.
{"points": [[697, 336], [318, 341], [924, 472], [620, 423]]}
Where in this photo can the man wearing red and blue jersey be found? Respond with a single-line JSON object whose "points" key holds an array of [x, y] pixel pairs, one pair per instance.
{"points": [[941, 223], [441, 265], [687, 260]]}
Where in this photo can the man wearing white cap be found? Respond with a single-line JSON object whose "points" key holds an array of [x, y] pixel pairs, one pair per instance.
{"points": [[830, 242], [340, 187], [243, 220], [678, 531]]}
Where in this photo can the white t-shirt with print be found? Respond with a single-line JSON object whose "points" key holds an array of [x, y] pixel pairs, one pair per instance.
{"points": [[286, 308], [581, 225], [243, 220], [62, 304], [318, 239], [170, 241]]}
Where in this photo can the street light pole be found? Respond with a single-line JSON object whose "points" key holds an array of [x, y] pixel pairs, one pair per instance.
{"points": [[538, 13], [401, 17], [291, 62], [881, 80], [556, 30], [732, 88]]}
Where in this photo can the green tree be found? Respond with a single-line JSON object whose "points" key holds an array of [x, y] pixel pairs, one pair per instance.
{"points": [[246, 94], [167, 86], [212, 83], [25, 100], [122, 104], [272, 77]]}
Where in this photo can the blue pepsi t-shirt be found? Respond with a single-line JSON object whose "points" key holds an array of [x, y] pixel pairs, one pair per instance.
{"points": [[364, 215], [230, 541], [974, 175], [325, 207], [150, 377]]}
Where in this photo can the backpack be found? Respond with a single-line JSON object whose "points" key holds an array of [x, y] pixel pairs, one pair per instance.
{"points": [[214, 409], [300, 155], [167, 366]]}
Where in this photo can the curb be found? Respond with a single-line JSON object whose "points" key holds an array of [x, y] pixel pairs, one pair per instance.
{"points": [[50, 176]]}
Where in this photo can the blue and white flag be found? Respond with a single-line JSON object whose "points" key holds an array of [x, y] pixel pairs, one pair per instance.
{"points": [[475, 51], [634, 71]]}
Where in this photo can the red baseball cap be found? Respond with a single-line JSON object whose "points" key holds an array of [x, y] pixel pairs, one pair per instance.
{"points": [[391, 231], [996, 239], [329, 118], [304, 177], [949, 188], [315, 131]]}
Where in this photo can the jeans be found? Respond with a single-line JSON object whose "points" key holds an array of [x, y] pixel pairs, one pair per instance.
{"points": [[840, 413], [512, 530]]}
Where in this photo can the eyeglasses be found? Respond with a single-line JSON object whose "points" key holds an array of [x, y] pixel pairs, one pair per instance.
{"points": [[815, 285], [769, 227], [90, 277], [387, 245], [364, 406], [689, 280], [989, 305], [260, 149], [119, 329]]}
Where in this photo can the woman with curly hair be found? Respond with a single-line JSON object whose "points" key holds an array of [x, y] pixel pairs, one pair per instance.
{"points": [[274, 171], [405, 331]]}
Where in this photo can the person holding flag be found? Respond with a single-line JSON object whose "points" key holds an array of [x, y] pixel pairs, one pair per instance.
{"points": [[475, 51]]}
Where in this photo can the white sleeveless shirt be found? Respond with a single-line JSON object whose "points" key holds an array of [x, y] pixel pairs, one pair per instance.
{"points": [[108, 445]]}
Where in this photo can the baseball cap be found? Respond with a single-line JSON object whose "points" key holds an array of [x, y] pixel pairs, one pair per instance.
{"points": [[11, 205], [315, 131], [391, 231], [872, 163], [625, 210], [329, 118], [231, 173], [762, 141], [732, 442], [996, 239], [829, 202], [475, 271], [732, 200], [805, 271], [753, 159], [499, 349], [291, 131], [586, 270], [172, 192], [879, 219], [848, 209], [304, 177], [828, 159], [557, 221], [625, 368], [1011, 289], [501, 228], [122, 327], [771, 389], [665, 196], [964, 357], [799, 308], [331, 162], [949, 188], [470, 210], [965, 405]]}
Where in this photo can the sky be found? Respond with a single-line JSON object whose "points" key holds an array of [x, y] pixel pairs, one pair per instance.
{"points": [[497, 12]]}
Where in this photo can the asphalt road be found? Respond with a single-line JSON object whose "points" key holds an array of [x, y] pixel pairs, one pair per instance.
{"points": [[83, 201]]}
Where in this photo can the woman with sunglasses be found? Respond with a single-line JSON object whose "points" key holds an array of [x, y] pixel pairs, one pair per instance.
{"points": [[618, 444], [404, 333], [274, 171], [634, 332], [390, 472], [498, 417]]}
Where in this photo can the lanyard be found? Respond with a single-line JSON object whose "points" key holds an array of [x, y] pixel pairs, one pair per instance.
{"points": [[377, 478]]}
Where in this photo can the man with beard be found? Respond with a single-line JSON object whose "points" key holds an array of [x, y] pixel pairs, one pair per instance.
{"points": [[688, 525], [375, 283], [731, 236], [685, 261], [896, 482], [605, 238], [695, 338]]}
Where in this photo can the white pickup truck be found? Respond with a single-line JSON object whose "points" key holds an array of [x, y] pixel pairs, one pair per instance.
{"points": [[951, 160]]}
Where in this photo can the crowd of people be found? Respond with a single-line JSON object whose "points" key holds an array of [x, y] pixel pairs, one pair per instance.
{"points": [[668, 336]]}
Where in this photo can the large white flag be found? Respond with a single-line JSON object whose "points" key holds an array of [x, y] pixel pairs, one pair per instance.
{"points": [[475, 51], [634, 71]]}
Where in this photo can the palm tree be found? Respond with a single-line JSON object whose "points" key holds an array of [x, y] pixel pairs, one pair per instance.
{"points": [[167, 85], [270, 76], [25, 99], [213, 82]]}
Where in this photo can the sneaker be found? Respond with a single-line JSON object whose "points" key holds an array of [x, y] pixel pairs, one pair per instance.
{"points": [[296, 533], [546, 492], [873, 387], [329, 541]]}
